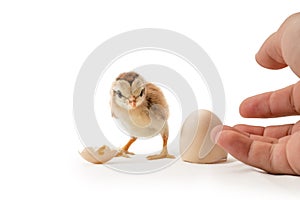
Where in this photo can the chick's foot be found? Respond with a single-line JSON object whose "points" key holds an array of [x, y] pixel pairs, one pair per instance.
{"points": [[163, 154], [124, 153]]}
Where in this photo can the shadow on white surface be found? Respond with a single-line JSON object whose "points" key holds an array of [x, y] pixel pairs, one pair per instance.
{"points": [[227, 180]]}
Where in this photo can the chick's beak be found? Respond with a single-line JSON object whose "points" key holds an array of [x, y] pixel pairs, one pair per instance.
{"points": [[132, 102]]}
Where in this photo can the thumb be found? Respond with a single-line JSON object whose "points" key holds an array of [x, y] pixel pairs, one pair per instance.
{"points": [[269, 55], [292, 152]]}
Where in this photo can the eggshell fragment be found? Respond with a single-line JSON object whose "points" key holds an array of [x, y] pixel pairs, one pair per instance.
{"points": [[98, 156], [196, 145]]}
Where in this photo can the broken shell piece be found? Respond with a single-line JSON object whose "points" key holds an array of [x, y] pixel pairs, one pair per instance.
{"points": [[98, 156]]}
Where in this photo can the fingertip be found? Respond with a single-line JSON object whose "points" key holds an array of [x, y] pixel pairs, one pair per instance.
{"points": [[258, 58], [264, 59], [235, 143], [215, 133], [217, 130], [255, 106], [225, 139], [269, 55], [246, 108]]}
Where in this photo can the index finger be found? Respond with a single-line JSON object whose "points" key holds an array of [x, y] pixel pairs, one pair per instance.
{"points": [[283, 102]]}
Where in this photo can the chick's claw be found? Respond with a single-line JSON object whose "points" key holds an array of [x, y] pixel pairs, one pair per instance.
{"points": [[124, 153], [160, 156]]}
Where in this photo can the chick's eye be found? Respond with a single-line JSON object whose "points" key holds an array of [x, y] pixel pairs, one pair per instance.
{"points": [[119, 93], [142, 92]]}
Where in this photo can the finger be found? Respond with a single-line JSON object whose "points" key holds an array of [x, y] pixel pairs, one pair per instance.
{"points": [[256, 137], [269, 55], [263, 139], [290, 42], [269, 157], [256, 130], [221, 128], [269, 131], [279, 103], [292, 151]]}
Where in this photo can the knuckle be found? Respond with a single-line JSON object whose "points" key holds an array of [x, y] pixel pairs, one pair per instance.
{"points": [[296, 97]]}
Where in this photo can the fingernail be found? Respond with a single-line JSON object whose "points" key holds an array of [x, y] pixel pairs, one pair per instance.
{"points": [[215, 133]]}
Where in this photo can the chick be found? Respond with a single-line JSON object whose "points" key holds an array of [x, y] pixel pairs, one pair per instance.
{"points": [[142, 110]]}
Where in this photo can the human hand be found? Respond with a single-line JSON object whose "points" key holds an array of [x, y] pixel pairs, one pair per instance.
{"points": [[275, 149]]}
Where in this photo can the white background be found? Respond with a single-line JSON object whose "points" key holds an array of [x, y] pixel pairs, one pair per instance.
{"points": [[42, 47], [139, 59]]}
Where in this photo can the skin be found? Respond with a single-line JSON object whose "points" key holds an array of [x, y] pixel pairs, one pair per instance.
{"points": [[275, 149]]}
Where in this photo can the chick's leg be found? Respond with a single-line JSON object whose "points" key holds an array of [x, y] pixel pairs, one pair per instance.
{"points": [[164, 153], [124, 150]]}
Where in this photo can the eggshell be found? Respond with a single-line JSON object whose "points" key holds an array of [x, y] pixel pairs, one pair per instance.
{"points": [[98, 156], [196, 145]]}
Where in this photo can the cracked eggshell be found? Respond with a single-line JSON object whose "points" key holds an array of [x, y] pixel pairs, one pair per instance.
{"points": [[196, 145], [98, 156]]}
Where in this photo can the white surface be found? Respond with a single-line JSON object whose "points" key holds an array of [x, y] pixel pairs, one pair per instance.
{"points": [[42, 47]]}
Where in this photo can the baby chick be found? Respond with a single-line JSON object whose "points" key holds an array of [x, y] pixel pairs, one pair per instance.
{"points": [[142, 110]]}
